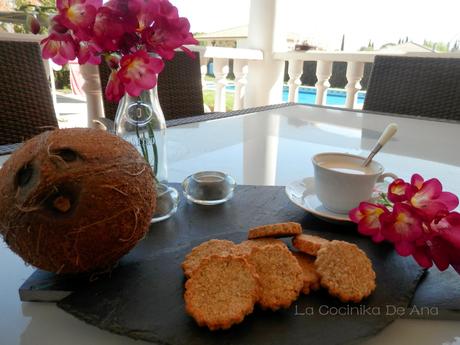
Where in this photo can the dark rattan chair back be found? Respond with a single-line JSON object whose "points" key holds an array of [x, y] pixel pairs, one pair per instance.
{"points": [[179, 88], [428, 87], [26, 106]]}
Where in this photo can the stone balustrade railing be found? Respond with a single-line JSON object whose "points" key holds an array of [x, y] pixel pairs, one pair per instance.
{"points": [[221, 57], [355, 69]]}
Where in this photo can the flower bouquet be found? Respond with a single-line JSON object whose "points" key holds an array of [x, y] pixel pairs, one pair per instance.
{"points": [[132, 36], [418, 219]]}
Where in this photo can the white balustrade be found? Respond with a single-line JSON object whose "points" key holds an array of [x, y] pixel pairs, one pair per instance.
{"points": [[355, 68], [323, 73], [240, 70], [355, 71], [221, 70], [221, 57], [295, 71]]}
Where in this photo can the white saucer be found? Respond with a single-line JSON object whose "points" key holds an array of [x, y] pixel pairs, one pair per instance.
{"points": [[302, 193]]}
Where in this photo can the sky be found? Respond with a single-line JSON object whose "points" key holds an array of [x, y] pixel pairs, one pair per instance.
{"points": [[324, 22]]}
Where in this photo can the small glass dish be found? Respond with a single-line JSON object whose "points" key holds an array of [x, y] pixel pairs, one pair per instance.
{"points": [[209, 187]]}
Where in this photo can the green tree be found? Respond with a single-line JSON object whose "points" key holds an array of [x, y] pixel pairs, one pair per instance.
{"points": [[42, 8], [436, 46]]}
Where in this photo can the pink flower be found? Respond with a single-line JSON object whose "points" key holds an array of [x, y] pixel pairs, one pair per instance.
{"points": [[115, 88], [32, 23], [416, 181], [367, 216], [78, 15], [61, 48], [166, 35], [89, 53], [56, 26], [420, 224], [109, 26], [402, 227], [430, 200], [448, 228], [138, 72], [436, 250], [399, 191]]}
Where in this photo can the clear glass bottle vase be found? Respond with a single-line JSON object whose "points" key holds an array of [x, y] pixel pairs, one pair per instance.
{"points": [[140, 121]]}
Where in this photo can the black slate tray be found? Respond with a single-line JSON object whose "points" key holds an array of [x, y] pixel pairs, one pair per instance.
{"points": [[142, 297]]}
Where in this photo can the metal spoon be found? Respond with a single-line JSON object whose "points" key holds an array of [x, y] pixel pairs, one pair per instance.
{"points": [[384, 138]]}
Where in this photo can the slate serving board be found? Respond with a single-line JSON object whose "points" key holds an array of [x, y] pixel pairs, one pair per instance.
{"points": [[142, 297]]}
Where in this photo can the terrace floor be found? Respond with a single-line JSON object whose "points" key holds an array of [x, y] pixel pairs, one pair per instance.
{"points": [[71, 110]]}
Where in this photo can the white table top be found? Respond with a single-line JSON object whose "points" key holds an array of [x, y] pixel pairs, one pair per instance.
{"points": [[271, 147]]}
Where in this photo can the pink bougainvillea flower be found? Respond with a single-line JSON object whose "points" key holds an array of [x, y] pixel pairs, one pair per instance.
{"points": [[399, 191], [89, 52], [402, 227], [115, 88], [367, 216], [61, 48], [138, 72], [32, 23], [168, 34], [430, 200]]}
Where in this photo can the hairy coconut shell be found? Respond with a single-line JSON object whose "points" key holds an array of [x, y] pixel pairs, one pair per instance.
{"points": [[75, 200]]}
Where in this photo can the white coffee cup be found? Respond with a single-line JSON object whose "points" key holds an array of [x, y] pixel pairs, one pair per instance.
{"points": [[341, 182]]}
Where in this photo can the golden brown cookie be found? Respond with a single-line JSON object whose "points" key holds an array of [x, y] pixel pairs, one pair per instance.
{"points": [[308, 244], [275, 230], [244, 248], [280, 275], [311, 278], [221, 292], [346, 271], [205, 249]]}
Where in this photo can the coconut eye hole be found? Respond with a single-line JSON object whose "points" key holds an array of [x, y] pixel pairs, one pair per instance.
{"points": [[68, 155], [63, 199], [24, 175]]}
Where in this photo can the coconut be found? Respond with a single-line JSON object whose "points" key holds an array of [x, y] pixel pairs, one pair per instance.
{"points": [[75, 200]]}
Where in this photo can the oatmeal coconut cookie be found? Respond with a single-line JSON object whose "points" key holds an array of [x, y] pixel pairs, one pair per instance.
{"points": [[204, 250], [346, 271], [275, 230], [221, 292], [309, 244], [280, 275]]}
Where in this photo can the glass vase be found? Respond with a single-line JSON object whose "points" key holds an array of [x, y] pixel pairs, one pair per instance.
{"points": [[140, 121]]}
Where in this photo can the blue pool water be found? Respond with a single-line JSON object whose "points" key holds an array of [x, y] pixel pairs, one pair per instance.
{"points": [[307, 95]]}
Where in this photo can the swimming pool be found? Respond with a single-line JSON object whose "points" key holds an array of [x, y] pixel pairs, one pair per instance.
{"points": [[307, 95]]}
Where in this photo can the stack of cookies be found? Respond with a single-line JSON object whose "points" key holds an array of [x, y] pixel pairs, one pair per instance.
{"points": [[226, 280]]}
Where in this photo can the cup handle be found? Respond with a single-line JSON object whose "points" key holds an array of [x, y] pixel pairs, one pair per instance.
{"points": [[385, 175]]}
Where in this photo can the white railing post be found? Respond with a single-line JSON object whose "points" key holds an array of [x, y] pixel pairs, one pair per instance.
{"points": [[92, 88], [295, 71], [240, 70], [355, 71], [323, 73], [220, 72], [204, 70]]}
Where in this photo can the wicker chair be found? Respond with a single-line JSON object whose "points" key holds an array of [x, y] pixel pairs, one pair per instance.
{"points": [[179, 88], [427, 87], [26, 106]]}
